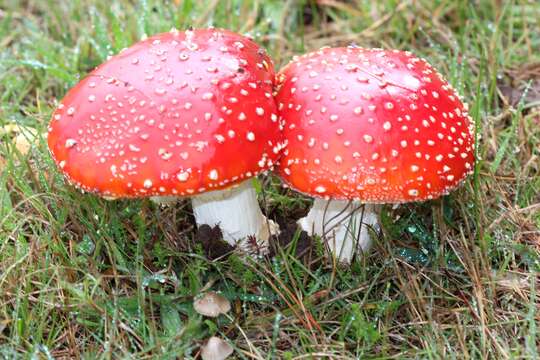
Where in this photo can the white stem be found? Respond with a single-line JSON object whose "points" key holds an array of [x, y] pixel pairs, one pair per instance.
{"points": [[338, 222], [236, 211]]}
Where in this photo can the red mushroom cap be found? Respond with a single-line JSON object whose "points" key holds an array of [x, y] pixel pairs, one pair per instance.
{"points": [[179, 113], [372, 125]]}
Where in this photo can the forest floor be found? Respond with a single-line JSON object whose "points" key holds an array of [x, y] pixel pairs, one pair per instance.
{"points": [[82, 277]]}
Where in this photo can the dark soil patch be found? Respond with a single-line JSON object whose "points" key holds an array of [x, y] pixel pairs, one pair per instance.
{"points": [[291, 235], [212, 241], [215, 247]]}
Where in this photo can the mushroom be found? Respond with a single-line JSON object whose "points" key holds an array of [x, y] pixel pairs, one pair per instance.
{"points": [[181, 114], [216, 349], [212, 304], [367, 127]]}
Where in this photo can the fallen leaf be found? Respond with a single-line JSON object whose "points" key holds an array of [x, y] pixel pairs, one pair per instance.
{"points": [[3, 163], [10, 128], [513, 281], [536, 114], [3, 324], [526, 77], [216, 349], [515, 94], [25, 139]]}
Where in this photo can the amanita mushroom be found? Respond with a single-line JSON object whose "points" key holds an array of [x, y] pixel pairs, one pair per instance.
{"points": [[368, 126], [178, 114]]}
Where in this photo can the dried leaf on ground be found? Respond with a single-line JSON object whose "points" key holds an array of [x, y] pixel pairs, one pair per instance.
{"points": [[524, 78]]}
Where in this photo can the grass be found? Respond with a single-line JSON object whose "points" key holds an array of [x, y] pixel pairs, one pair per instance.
{"points": [[457, 278]]}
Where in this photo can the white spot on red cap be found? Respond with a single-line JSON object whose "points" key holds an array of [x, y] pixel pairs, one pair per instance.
{"points": [[183, 176], [213, 174], [71, 143]]}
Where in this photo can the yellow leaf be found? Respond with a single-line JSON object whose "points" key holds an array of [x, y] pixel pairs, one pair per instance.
{"points": [[25, 139], [2, 164]]}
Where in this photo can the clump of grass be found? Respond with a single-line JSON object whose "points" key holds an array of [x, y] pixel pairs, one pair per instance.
{"points": [[453, 278]]}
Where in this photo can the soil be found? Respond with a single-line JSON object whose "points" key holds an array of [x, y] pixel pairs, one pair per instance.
{"points": [[212, 241], [289, 229], [215, 247]]}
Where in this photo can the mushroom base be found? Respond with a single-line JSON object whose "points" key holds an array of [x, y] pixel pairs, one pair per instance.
{"points": [[237, 212], [342, 224]]}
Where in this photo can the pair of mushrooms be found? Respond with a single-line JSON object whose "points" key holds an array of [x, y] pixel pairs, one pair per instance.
{"points": [[199, 113]]}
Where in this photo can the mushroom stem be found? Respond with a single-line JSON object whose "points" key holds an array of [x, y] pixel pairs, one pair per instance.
{"points": [[338, 222], [236, 211]]}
